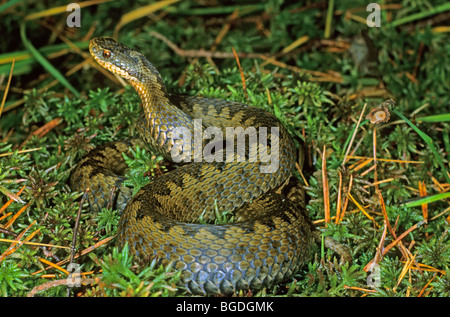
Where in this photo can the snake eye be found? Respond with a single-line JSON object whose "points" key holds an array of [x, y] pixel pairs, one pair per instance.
{"points": [[106, 54]]}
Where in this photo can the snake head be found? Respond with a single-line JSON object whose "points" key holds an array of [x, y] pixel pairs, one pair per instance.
{"points": [[123, 61]]}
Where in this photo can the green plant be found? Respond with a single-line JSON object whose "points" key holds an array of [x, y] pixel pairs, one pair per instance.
{"points": [[11, 278], [120, 280], [142, 165]]}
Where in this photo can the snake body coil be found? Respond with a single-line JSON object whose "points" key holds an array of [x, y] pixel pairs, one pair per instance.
{"points": [[270, 239]]}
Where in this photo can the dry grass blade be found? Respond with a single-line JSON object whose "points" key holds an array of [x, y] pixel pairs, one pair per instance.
{"points": [[77, 223], [42, 131], [372, 168], [83, 252], [11, 221], [422, 291], [10, 194], [5, 216], [389, 227], [15, 246], [51, 284], [339, 199], [21, 151], [423, 193], [354, 134], [55, 266], [374, 145], [7, 88], [396, 241], [244, 85], [326, 193], [35, 243], [362, 164], [379, 182], [3, 208], [439, 186], [379, 254], [383, 159], [344, 207], [406, 269], [301, 174], [320, 76], [385, 215], [428, 268], [360, 289], [142, 12], [301, 40], [60, 10], [362, 209]]}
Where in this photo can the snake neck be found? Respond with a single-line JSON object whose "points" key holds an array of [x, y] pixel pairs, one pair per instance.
{"points": [[161, 116], [150, 86]]}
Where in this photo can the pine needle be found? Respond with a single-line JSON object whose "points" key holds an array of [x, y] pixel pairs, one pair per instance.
{"points": [[7, 87], [353, 135]]}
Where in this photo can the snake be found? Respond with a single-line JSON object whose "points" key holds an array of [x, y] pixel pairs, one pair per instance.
{"points": [[271, 236]]}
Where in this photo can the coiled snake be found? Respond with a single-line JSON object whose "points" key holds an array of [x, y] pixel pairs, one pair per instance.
{"points": [[271, 237]]}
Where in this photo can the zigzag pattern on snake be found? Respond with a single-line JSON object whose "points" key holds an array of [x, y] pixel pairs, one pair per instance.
{"points": [[271, 237]]}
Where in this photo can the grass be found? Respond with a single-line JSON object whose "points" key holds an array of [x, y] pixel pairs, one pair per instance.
{"points": [[382, 189]]}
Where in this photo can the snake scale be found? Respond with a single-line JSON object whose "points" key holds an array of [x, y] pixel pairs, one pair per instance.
{"points": [[271, 237]]}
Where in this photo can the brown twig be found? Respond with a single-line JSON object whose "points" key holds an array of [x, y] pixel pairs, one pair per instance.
{"points": [[339, 199], [396, 241], [42, 131], [320, 76], [7, 87], [426, 285], [77, 223], [83, 252], [15, 246], [200, 53], [75, 233], [301, 174], [244, 85], [346, 199], [375, 174], [8, 232], [326, 193], [51, 284], [423, 193]]}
